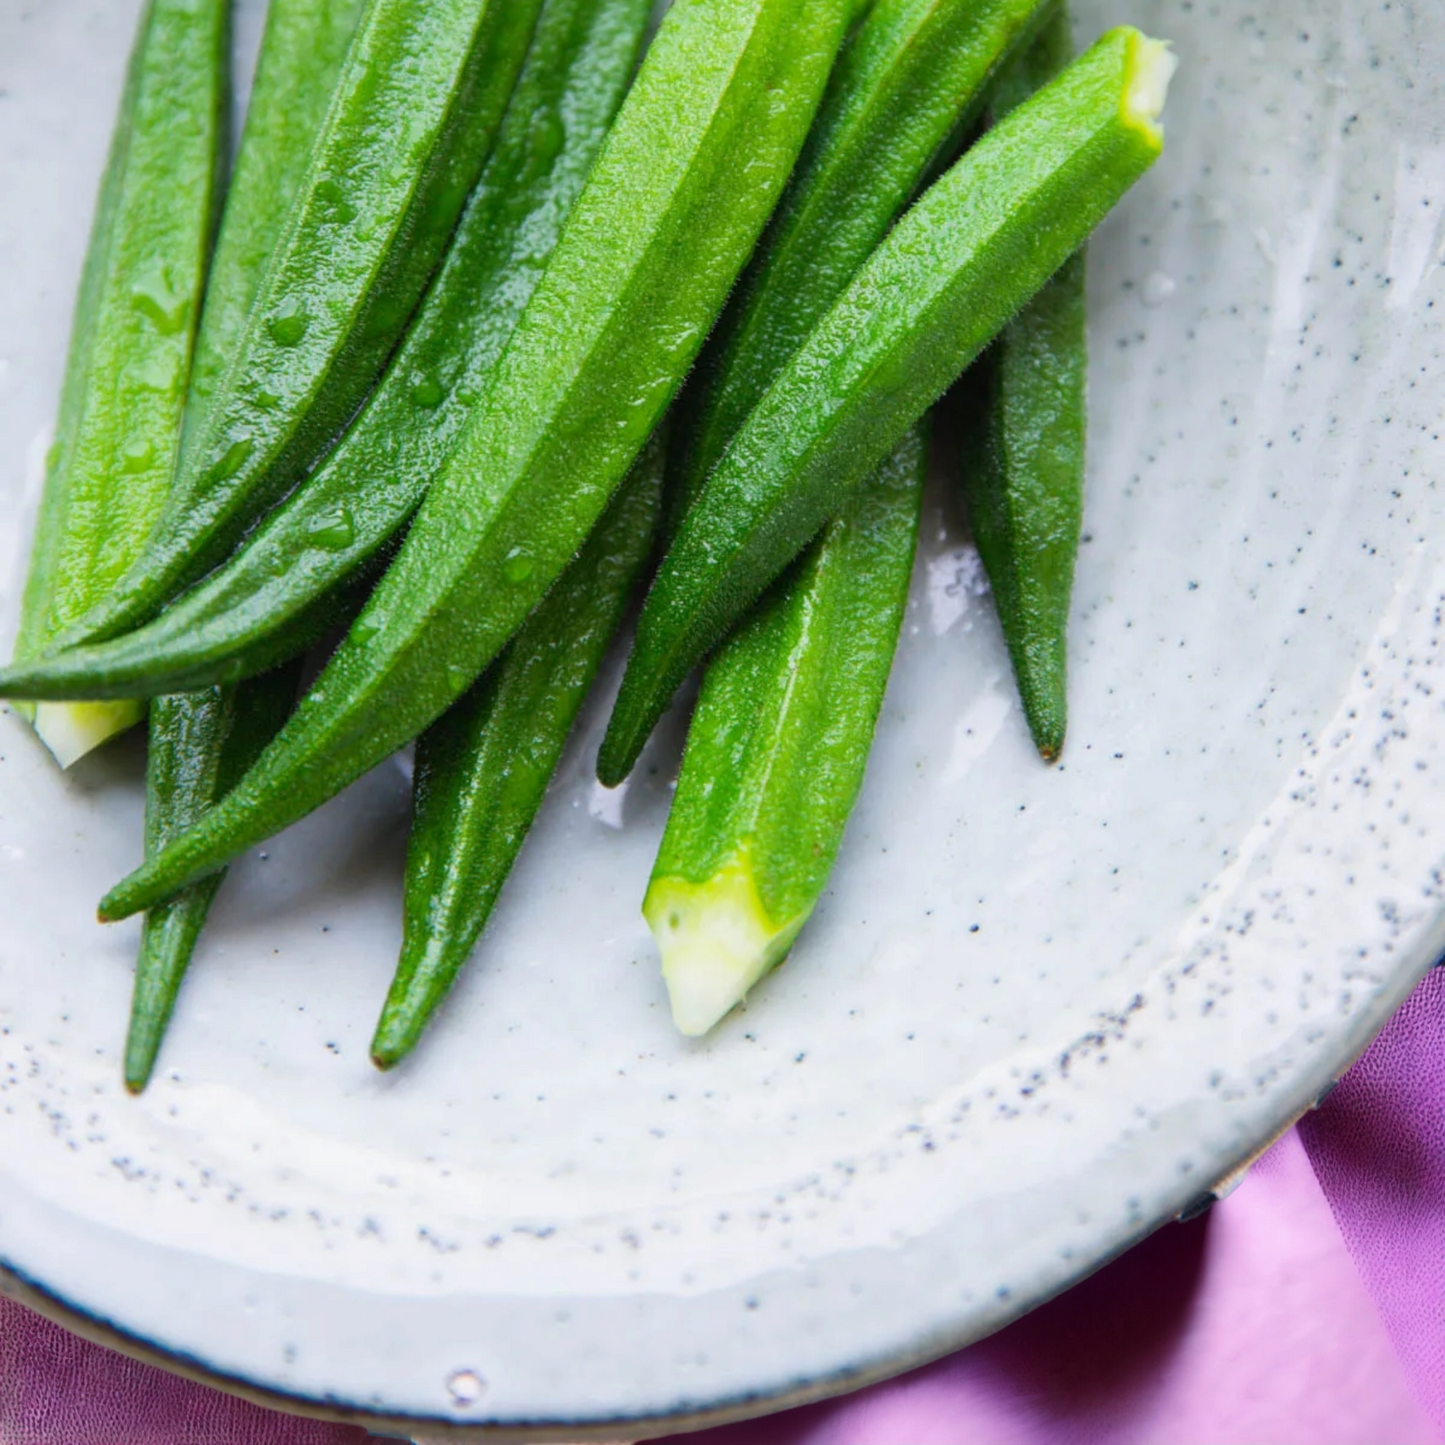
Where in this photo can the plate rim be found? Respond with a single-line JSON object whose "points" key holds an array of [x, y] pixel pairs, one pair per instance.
{"points": [[17, 1285]]}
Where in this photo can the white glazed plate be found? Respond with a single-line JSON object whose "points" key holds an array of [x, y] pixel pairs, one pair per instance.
{"points": [[1039, 1012]]}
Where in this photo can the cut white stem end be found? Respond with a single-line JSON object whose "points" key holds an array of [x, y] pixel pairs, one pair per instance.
{"points": [[1151, 67], [716, 942], [72, 729]]}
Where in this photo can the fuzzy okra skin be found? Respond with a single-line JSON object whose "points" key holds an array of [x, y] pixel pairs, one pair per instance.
{"points": [[1024, 410], [952, 272], [200, 744], [302, 48], [131, 342], [777, 748], [410, 125], [908, 78], [257, 606], [780, 737], [685, 181], [201, 741], [482, 768]]}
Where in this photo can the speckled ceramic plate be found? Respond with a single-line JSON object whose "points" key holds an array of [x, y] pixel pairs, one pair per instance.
{"points": [[1040, 1011]]}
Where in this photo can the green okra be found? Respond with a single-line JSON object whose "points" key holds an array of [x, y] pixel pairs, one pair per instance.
{"points": [[482, 768], [402, 143], [200, 744], [260, 605], [131, 341], [1023, 450], [302, 48], [202, 741], [664, 224], [778, 744], [909, 76], [957, 266], [777, 748]]}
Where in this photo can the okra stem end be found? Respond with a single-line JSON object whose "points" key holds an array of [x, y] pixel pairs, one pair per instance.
{"points": [[716, 941], [1151, 67], [70, 730]]}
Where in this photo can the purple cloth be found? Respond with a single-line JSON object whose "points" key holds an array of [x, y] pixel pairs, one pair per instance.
{"points": [[1306, 1309]]}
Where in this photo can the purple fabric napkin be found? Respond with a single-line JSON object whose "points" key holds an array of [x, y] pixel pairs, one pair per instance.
{"points": [[1308, 1308]]}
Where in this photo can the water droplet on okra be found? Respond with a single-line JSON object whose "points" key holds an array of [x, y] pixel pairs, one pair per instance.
{"points": [[335, 207], [427, 390], [234, 457], [332, 531], [137, 456], [287, 323], [518, 565], [153, 294]]}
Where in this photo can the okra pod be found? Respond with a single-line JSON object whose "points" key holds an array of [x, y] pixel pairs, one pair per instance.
{"points": [[201, 741], [200, 744], [909, 76], [958, 265], [302, 47], [256, 607], [1024, 411], [778, 744], [483, 767], [130, 345], [685, 181], [777, 748], [402, 143]]}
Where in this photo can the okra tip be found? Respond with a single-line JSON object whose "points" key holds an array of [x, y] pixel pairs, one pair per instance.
{"points": [[131, 895], [1151, 66], [716, 942], [1041, 687], [396, 1036]]}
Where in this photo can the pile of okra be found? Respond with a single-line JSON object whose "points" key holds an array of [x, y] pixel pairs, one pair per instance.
{"points": [[506, 313]]}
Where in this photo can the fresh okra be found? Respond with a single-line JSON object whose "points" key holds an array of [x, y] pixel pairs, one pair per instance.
{"points": [[302, 48], [483, 767], [260, 605], [200, 742], [401, 146], [958, 265], [777, 748], [664, 224], [908, 78], [131, 341], [1023, 450]]}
